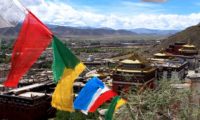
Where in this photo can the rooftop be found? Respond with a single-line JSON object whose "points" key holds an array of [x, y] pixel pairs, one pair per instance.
{"points": [[128, 61], [137, 71], [161, 54], [168, 63], [31, 94], [193, 74], [189, 46]]}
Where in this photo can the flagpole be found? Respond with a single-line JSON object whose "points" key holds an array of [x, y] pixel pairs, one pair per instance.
{"points": [[88, 69]]}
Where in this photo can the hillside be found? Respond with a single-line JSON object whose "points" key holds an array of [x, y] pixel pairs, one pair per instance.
{"points": [[63, 31], [191, 34]]}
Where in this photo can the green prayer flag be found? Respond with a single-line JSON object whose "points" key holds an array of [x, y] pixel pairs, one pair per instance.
{"points": [[109, 113], [62, 58], [66, 68]]}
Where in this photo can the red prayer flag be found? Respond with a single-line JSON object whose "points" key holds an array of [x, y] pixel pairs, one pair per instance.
{"points": [[34, 37], [102, 98]]}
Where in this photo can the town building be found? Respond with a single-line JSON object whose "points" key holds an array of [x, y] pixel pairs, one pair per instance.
{"points": [[168, 66], [174, 48], [30, 102], [189, 53], [132, 72], [186, 51], [194, 78]]}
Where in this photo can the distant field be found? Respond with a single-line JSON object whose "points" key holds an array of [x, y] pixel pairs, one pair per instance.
{"points": [[104, 39], [116, 37]]}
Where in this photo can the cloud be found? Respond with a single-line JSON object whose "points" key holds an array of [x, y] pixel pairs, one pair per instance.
{"points": [[139, 4], [154, 0], [63, 14], [32, 2], [141, 7]]}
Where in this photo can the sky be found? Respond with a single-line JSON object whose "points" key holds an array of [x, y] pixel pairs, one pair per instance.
{"points": [[118, 14]]}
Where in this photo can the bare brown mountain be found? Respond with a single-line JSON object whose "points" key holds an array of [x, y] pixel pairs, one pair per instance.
{"points": [[63, 31]]}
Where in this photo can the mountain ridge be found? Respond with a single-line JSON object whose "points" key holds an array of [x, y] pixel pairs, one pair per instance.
{"points": [[154, 31], [63, 31]]}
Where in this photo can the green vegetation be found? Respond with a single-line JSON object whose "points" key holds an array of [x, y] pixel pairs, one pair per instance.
{"points": [[163, 103], [47, 64], [86, 50], [4, 58], [61, 115], [114, 51], [112, 38]]}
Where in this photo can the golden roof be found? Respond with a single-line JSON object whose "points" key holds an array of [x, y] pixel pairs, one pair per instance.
{"points": [[158, 59], [189, 46], [160, 54], [188, 51], [136, 71], [163, 54], [128, 61]]}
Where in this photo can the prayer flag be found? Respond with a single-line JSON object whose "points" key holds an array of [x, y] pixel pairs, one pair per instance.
{"points": [[66, 68], [33, 38], [116, 103], [11, 13], [97, 93], [86, 94], [111, 109]]}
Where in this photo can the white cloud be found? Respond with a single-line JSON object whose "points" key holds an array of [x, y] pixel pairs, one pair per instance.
{"points": [[142, 7], [32, 2], [63, 14]]}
